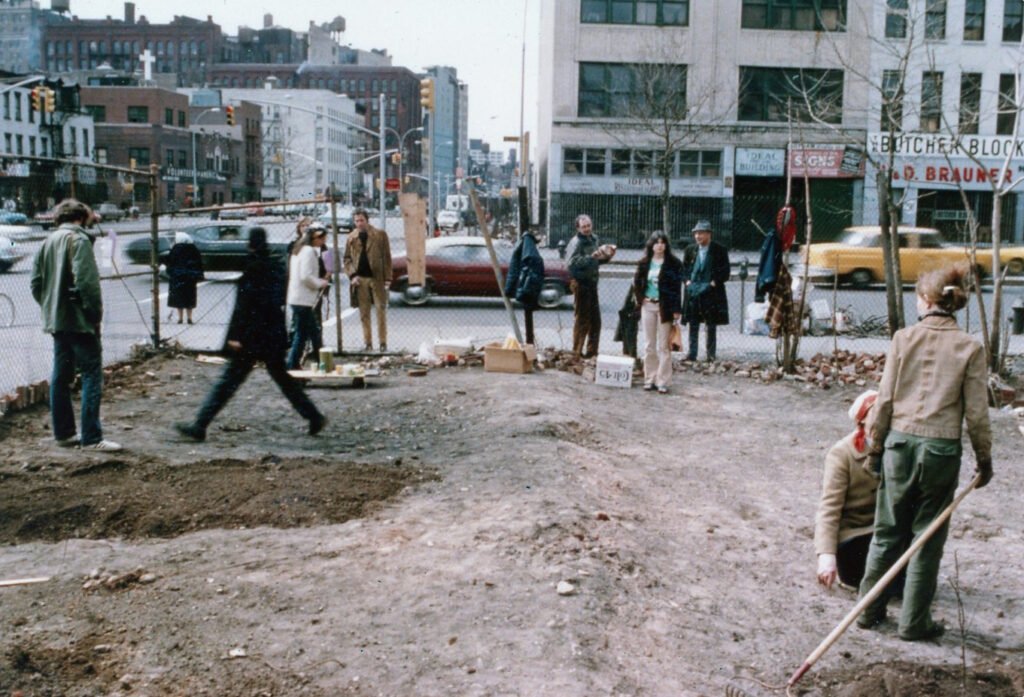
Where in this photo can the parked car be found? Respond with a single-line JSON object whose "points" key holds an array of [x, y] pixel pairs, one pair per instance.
{"points": [[109, 212], [10, 254], [449, 220], [233, 214], [857, 256], [344, 215], [12, 218], [222, 246], [461, 266], [45, 219]]}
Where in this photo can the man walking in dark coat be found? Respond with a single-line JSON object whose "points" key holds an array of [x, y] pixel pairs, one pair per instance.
{"points": [[256, 333], [705, 272]]}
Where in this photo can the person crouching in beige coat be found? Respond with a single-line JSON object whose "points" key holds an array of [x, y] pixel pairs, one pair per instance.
{"points": [[367, 264], [846, 513]]}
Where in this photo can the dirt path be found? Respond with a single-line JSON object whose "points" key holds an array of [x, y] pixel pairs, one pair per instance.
{"points": [[416, 547]]}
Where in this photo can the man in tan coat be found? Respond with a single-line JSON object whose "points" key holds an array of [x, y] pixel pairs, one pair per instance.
{"points": [[368, 266]]}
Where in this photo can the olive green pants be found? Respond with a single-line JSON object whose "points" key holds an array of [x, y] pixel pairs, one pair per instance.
{"points": [[919, 478]]}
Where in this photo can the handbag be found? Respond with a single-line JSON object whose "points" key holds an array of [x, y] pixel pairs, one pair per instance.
{"points": [[675, 337]]}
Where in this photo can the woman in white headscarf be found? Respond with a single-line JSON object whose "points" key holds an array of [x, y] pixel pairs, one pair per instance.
{"points": [[185, 270]]}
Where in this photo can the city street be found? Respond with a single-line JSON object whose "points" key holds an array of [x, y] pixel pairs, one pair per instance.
{"points": [[128, 311]]}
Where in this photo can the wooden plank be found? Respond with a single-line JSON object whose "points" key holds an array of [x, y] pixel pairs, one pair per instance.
{"points": [[414, 215], [23, 581]]}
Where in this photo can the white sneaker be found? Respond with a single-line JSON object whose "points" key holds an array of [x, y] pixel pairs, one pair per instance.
{"points": [[105, 445]]}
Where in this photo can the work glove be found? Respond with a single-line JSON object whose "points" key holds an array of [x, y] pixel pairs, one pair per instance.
{"points": [[827, 572], [984, 468]]}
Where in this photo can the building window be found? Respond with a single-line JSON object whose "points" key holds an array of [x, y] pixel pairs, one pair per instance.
{"points": [[32, 146], [1007, 113], [183, 158], [169, 157], [770, 94], [931, 101], [140, 155], [138, 114], [623, 89], [168, 117], [657, 12], [1013, 20], [98, 112], [44, 147], [970, 102], [7, 142], [19, 142], [802, 15], [7, 106], [700, 163], [896, 19], [85, 142], [17, 106], [935, 19], [101, 156], [181, 119], [974, 20]]}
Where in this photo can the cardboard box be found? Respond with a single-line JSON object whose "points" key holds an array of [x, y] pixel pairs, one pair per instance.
{"points": [[501, 360], [614, 371]]}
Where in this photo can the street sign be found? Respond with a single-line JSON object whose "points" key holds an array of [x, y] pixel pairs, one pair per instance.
{"points": [[392, 184]]}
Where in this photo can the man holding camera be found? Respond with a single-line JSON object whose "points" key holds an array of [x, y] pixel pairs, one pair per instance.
{"points": [[66, 284]]}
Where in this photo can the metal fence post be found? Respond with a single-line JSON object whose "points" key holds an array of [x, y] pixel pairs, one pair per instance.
{"points": [[337, 266], [154, 252]]}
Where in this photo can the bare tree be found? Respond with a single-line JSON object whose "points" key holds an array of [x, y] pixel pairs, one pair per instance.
{"points": [[661, 113]]}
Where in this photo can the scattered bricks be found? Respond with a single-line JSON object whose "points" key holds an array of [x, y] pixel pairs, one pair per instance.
{"points": [[22, 397]]}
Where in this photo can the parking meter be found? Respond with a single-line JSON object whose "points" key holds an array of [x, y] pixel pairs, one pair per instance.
{"points": [[561, 249], [1018, 316]]}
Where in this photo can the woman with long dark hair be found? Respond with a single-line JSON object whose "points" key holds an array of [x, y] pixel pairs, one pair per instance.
{"points": [[935, 378], [657, 286]]}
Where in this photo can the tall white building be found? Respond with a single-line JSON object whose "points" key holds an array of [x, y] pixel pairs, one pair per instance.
{"points": [[743, 66], [307, 144]]}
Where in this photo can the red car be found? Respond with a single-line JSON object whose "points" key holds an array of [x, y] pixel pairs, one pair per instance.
{"points": [[461, 266]]}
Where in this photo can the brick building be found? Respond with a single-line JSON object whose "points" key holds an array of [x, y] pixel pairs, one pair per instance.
{"points": [[149, 126], [185, 47]]}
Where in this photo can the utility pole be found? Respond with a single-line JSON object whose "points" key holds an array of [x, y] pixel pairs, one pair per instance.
{"points": [[383, 165]]}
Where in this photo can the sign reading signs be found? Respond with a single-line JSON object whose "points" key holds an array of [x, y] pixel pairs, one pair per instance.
{"points": [[827, 162], [760, 162]]}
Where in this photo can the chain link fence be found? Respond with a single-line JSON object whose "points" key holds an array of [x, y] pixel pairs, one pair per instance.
{"points": [[135, 314]]}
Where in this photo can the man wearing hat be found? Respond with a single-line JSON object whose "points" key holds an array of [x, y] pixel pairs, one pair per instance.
{"points": [[66, 284], [705, 270]]}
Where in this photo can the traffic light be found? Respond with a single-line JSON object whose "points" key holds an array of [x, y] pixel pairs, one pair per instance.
{"points": [[50, 100], [37, 99], [396, 158], [229, 113], [427, 93]]}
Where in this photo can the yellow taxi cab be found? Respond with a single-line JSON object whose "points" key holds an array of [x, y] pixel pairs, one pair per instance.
{"points": [[857, 256]]}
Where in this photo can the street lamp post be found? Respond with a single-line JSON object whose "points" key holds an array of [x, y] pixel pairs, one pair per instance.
{"points": [[195, 166], [401, 146]]}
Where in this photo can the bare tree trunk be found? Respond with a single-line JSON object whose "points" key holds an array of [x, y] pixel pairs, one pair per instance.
{"points": [[665, 198], [994, 358], [897, 268], [882, 184]]}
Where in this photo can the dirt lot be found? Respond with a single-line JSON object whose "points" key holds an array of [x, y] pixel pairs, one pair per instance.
{"points": [[417, 546]]}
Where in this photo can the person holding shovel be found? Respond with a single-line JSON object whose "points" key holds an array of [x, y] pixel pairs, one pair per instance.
{"points": [[935, 377]]}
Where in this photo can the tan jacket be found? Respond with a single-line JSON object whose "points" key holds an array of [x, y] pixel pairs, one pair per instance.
{"points": [[934, 378], [848, 491], [378, 252]]}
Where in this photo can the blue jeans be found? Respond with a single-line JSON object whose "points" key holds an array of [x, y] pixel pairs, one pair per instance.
{"points": [[304, 328], [71, 349]]}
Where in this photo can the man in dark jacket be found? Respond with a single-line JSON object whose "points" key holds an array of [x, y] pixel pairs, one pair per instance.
{"points": [[256, 333], [705, 272], [585, 254], [66, 284]]}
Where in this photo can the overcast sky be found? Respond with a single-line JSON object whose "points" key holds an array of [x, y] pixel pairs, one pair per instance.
{"points": [[482, 39]]}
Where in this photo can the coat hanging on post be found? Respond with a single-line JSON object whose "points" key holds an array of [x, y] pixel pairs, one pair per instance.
{"points": [[629, 325]]}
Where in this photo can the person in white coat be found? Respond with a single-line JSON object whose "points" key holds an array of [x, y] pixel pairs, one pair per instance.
{"points": [[304, 288]]}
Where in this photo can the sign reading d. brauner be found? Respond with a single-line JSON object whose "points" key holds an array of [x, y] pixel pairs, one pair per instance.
{"points": [[760, 162], [939, 144]]}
